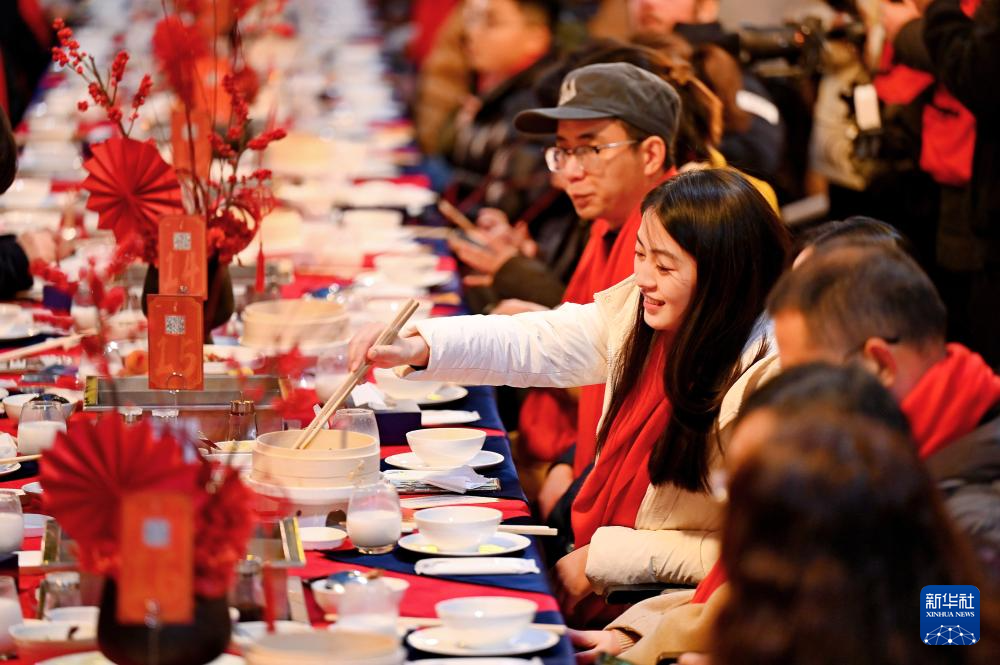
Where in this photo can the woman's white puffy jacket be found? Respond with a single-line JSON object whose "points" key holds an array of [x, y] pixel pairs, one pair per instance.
{"points": [[675, 539]]}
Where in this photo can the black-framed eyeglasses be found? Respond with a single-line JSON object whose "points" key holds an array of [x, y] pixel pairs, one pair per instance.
{"points": [[587, 156]]}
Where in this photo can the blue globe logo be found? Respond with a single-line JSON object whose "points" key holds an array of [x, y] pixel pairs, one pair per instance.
{"points": [[953, 635]]}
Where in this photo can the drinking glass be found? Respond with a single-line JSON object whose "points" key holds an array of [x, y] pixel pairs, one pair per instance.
{"points": [[61, 589], [10, 615], [374, 518], [38, 426], [361, 421], [369, 607], [11, 522], [332, 368]]}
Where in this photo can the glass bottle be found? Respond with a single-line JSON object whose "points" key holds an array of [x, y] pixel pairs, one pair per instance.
{"points": [[247, 594], [242, 421]]}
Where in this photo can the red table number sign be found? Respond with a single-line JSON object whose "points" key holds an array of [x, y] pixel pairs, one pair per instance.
{"points": [[156, 579], [183, 261], [200, 146], [175, 342]]}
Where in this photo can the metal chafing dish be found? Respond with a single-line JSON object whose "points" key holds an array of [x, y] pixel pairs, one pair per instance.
{"points": [[277, 545], [208, 407]]}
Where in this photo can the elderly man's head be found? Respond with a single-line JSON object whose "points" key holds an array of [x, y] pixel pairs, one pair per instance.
{"points": [[865, 303]]}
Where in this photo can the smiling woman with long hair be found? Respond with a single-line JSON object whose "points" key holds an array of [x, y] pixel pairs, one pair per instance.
{"points": [[678, 344]]}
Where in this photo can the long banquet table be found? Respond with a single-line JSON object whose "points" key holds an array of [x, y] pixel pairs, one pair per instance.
{"points": [[423, 592]]}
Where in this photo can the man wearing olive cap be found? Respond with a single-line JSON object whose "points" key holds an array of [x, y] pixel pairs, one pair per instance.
{"points": [[613, 132]]}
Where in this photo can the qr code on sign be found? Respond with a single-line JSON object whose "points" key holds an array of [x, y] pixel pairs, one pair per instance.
{"points": [[156, 532], [182, 241], [176, 325]]}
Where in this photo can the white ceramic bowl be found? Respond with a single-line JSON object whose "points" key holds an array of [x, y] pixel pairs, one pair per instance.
{"points": [[455, 528], [325, 647], [14, 403], [481, 621], [321, 537], [84, 615], [399, 388], [405, 264], [41, 640], [446, 447], [327, 599], [282, 324], [371, 218]]}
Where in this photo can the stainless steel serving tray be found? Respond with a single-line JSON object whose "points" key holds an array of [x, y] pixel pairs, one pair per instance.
{"points": [[218, 391], [209, 406], [278, 545]]}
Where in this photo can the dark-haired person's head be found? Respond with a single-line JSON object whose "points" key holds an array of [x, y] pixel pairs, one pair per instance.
{"points": [[700, 122], [8, 153], [855, 230], [847, 389], [832, 529], [866, 303], [615, 125], [702, 234], [504, 36]]}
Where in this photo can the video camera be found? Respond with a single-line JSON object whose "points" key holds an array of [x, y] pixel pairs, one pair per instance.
{"points": [[795, 49]]}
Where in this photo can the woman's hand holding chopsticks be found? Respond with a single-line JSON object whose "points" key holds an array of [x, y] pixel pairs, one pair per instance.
{"points": [[402, 351]]}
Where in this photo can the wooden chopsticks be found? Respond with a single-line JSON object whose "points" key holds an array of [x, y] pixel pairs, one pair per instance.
{"points": [[55, 343], [341, 394], [18, 460]]}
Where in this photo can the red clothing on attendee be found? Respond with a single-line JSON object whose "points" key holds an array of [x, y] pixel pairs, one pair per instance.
{"points": [[606, 260], [950, 399], [611, 494], [427, 17], [948, 402]]}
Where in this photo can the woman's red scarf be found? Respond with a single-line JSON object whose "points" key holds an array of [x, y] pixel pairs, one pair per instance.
{"points": [[947, 403], [549, 423], [612, 493]]}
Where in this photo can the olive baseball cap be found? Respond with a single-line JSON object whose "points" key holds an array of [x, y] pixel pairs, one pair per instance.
{"points": [[610, 90]]}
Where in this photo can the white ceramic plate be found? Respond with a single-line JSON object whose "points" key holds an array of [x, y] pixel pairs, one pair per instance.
{"points": [[441, 640], [498, 544], [437, 417], [95, 658], [482, 460], [248, 632], [321, 537], [9, 468], [243, 355], [447, 393], [422, 280], [32, 488]]}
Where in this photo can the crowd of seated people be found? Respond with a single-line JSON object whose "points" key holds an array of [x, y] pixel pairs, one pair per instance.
{"points": [[760, 424]]}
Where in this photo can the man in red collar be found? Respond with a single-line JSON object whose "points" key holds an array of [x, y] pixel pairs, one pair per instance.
{"points": [[873, 305]]}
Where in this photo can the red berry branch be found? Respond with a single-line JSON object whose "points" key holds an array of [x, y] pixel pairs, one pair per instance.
{"points": [[103, 89]]}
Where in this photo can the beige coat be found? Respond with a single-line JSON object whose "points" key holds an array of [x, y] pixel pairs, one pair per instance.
{"points": [[675, 538]]}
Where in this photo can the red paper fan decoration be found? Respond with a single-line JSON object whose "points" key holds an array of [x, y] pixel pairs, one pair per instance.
{"points": [[130, 187], [89, 468]]}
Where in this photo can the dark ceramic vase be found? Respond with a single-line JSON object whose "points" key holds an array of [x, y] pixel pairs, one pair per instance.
{"points": [[220, 304], [178, 644]]}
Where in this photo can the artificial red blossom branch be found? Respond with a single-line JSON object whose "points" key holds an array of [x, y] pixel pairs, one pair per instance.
{"points": [[103, 90]]}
